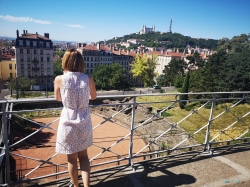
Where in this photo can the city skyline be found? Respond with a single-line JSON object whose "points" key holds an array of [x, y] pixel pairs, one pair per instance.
{"points": [[93, 21]]}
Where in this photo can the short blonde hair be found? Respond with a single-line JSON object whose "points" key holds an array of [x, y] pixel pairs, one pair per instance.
{"points": [[73, 61]]}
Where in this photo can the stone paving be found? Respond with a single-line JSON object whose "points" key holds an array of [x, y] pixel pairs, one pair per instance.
{"points": [[220, 169]]}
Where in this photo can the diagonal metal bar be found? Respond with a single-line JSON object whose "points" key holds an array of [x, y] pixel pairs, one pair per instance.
{"points": [[31, 171], [38, 160], [108, 119], [41, 128], [172, 126], [40, 124], [103, 148], [232, 124]]}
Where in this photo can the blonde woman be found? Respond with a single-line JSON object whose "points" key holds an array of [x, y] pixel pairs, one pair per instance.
{"points": [[74, 135]]}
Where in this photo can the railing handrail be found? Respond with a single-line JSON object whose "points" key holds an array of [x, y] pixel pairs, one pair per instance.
{"points": [[119, 96], [131, 105]]}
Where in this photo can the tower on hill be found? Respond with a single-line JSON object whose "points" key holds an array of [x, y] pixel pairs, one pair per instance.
{"points": [[170, 26]]}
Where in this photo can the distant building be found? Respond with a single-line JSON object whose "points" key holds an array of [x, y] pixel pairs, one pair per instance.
{"points": [[100, 54], [7, 64], [34, 57], [146, 29]]}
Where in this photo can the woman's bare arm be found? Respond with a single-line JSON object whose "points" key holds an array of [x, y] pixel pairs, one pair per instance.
{"points": [[92, 89], [57, 87]]}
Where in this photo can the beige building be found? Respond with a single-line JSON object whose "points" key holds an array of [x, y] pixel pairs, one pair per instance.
{"points": [[34, 57], [163, 59], [7, 66]]}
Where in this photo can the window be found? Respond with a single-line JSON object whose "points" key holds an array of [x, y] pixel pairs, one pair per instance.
{"points": [[48, 59], [28, 66], [20, 42], [41, 52], [41, 59], [41, 66], [28, 51], [87, 58], [27, 43], [34, 43], [40, 44], [28, 59], [34, 51], [22, 66], [29, 74], [91, 59], [10, 66], [47, 44], [21, 59], [21, 51]]}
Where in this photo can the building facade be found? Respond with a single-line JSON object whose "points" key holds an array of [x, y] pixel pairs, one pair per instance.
{"points": [[99, 54], [146, 29], [34, 57]]}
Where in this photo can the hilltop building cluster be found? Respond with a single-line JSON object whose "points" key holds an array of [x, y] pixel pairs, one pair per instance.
{"points": [[33, 56]]}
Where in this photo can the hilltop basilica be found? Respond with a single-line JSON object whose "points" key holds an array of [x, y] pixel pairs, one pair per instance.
{"points": [[146, 29]]}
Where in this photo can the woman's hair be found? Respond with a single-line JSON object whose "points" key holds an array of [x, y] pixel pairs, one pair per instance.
{"points": [[73, 61]]}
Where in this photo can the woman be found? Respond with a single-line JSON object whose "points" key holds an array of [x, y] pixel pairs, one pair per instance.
{"points": [[74, 135]]}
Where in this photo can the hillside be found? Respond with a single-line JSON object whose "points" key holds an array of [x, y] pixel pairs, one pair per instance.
{"points": [[167, 40]]}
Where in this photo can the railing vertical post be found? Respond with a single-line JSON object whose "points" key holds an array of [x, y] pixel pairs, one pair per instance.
{"points": [[131, 134], [207, 145], [6, 145]]}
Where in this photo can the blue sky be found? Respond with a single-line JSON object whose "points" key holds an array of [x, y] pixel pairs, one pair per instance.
{"points": [[95, 20]]}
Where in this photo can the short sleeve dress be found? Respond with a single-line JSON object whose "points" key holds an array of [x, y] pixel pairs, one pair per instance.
{"points": [[74, 132]]}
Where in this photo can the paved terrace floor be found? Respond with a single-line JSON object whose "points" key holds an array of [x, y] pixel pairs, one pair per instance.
{"points": [[225, 167], [230, 168]]}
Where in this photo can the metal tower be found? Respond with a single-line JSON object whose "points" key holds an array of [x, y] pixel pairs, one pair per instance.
{"points": [[170, 26]]}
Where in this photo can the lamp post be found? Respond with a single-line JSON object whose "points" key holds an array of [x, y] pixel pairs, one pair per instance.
{"points": [[16, 88], [46, 91]]}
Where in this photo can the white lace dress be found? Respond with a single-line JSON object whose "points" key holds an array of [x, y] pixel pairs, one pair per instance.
{"points": [[75, 127]]}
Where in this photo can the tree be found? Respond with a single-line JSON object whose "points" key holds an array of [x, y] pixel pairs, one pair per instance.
{"points": [[184, 89], [21, 83], [174, 68], [144, 67], [178, 81], [110, 76], [196, 60], [58, 70]]}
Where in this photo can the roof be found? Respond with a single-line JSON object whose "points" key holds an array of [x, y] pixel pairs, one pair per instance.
{"points": [[33, 36]]}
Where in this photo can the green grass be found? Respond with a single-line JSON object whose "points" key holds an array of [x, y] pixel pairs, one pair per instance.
{"points": [[197, 120]]}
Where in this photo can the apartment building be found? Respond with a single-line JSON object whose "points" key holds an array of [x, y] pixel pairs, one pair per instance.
{"points": [[163, 59], [100, 54], [34, 57]]}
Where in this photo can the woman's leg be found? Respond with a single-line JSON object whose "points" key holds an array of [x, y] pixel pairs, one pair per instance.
{"points": [[72, 167], [85, 167]]}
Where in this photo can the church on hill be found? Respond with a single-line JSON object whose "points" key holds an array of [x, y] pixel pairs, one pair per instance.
{"points": [[146, 29]]}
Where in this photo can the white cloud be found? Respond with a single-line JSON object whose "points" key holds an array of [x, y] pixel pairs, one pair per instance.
{"points": [[24, 19], [76, 26]]}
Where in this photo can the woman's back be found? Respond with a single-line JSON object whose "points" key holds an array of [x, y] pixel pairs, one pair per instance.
{"points": [[75, 90]]}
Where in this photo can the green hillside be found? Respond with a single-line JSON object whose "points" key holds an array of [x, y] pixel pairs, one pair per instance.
{"points": [[168, 40]]}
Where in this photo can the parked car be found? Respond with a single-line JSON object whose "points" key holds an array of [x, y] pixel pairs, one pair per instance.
{"points": [[156, 87], [35, 88]]}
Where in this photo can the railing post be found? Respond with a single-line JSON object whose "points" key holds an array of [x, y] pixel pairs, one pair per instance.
{"points": [[6, 145], [207, 145], [131, 134]]}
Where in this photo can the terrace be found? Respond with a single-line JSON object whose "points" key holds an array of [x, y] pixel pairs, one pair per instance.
{"points": [[138, 141]]}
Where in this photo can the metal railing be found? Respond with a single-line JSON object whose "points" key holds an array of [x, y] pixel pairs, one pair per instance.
{"points": [[153, 126]]}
